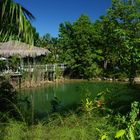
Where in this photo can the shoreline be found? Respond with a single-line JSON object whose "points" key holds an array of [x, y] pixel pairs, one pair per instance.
{"points": [[35, 84]]}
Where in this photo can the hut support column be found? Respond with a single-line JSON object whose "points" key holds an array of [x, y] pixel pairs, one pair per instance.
{"points": [[34, 71], [34, 63], [29, 71], [21, 65]]}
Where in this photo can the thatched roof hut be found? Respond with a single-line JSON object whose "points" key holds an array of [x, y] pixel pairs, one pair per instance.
{"points": [[12, 48]]}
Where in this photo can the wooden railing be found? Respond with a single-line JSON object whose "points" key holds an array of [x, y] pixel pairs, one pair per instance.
{"points": [[47, 67], [32, 68]]}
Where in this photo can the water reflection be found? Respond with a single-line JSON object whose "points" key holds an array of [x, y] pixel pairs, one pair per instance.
{"points": [[53, 98]]}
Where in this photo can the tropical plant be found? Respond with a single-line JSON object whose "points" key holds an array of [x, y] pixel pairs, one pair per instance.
{"points": [[130, 124], [15, 22], [88, 104]]}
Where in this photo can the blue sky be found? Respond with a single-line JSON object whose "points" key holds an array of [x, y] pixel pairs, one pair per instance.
{"points": [[50, 13]]}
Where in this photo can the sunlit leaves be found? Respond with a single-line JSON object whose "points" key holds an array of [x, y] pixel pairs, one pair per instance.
{"points": [[120, 133], [15, 21], [78, 45]]}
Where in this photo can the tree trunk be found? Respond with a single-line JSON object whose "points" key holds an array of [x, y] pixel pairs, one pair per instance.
{"points": [[132, 74], [105, 64]]}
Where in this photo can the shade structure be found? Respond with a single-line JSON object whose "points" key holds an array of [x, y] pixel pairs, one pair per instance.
{"points": [[11, 48]]}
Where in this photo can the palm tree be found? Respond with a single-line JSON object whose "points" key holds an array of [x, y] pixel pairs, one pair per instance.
{"points": [[15, 22]]}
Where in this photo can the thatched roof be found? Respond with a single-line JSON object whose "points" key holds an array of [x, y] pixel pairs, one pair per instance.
{"points": [[12, 48]]}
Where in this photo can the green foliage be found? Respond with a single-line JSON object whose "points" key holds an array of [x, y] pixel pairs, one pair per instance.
{"points": [[50, 43], [107, 47], [9, 102], [130, 124], [37, 132], [78, 49], [14, 131], [14, 62], [79, 125], [10, 15], [87, 105], [55, 103], [70, 126], [3, 65], [7, 97], [58, 72], [120, 134], [126, 15]]}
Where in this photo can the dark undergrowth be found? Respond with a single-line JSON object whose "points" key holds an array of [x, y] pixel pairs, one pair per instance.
{"points": [[106, 117]]}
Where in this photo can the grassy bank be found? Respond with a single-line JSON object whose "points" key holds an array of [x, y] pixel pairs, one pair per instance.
{"points": [[73, 126], [108, 115], [69, 127]]}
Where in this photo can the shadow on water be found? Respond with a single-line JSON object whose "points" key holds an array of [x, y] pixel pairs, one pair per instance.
{"points": [[121, 101], [65, 97]]}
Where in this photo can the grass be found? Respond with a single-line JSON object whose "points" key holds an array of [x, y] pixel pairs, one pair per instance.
{"points": [[86, 124], [58, 127]]}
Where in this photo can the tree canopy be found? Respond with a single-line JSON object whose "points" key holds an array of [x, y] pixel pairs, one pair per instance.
{"points": [[109, 46], [78, 49]]}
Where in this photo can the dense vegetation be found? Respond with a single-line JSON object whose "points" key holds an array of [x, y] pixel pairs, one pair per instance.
{"points": [[108, 47], [107, 116]]}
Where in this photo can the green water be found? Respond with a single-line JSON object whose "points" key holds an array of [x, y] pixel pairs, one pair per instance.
{"points": [[70, 94]]}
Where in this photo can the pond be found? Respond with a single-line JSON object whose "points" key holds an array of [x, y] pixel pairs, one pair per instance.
{"points": [[43, 99]]}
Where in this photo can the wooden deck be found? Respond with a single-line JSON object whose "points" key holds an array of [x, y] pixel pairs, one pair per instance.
{"points": [[48, 71], [51, 69], [45, 68]]}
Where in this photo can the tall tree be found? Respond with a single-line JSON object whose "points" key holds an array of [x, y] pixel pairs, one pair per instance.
{"points": [[127, 15], [104, 31], [77, 42]]}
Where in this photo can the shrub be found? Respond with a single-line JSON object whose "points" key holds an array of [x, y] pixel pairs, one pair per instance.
{"points": [[8, 96], [9, 102]]}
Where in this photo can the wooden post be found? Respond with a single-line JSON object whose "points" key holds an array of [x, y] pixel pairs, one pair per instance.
{"points": [[32, 101], [21, 65], [29, 71]]}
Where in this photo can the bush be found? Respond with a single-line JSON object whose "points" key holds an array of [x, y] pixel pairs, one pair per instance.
{"points": [[8, 98]]}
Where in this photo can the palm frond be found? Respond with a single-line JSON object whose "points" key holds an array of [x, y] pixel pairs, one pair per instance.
{"points": [[13, 14]]}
